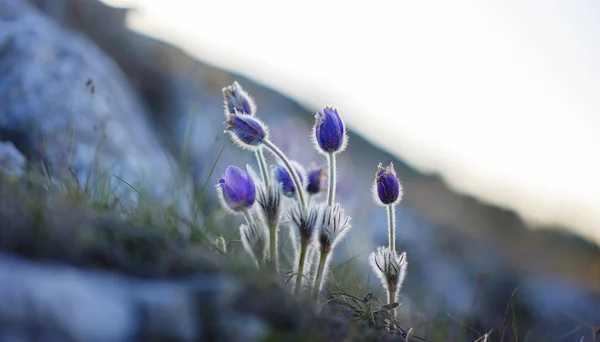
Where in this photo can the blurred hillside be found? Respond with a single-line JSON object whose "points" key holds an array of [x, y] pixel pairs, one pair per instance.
{"points": [[451, 239]]}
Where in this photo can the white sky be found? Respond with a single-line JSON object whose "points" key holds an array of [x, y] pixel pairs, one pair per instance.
{"points": [[501, 97]]}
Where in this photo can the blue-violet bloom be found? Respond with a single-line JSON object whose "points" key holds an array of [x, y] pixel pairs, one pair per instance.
{"points": [[283, 177], [238, 191], [387, 186], [246, 130], [316, 179], [237, 100], [329, 131]]}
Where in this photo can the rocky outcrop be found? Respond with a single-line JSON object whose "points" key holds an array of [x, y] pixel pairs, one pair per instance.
{"points": [[69, 110]]}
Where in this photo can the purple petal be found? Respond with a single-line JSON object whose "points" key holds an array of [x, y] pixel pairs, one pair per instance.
{"points": [[231, 197]]}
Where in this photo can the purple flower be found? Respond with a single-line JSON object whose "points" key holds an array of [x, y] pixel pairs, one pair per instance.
{"points": [[283, 176], [237, 100], [329, 131], [237, 189], [246, 130], [316, 178], [387, 186]]}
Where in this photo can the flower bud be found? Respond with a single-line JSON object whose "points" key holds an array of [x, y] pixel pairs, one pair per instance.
{"points": [[237, 189], [282, 175], [389, 267], [305, 221], [269, 199], [246, 131], [316, 179], [329, 131], [237, 100], [387, 186], [333, 224]]}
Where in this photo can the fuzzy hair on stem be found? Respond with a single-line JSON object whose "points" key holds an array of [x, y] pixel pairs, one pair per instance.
{"points": [[305, 222], [269, 200], [254, 242], [333, 224]]}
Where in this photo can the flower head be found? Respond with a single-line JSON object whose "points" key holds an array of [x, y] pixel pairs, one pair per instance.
{"points": [[389, 267], [237, 100], [304, 221], [237, 189], [269, 199], [316, 179], [334, 224], [387, 187], [329, 131], [246, 130], [283, 177]]}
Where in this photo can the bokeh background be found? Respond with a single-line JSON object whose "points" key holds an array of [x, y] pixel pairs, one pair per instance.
{"points": [[489, 112]]}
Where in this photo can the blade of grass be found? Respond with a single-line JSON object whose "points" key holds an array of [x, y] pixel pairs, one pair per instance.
{"points": [[134, 189], [196, 211]]}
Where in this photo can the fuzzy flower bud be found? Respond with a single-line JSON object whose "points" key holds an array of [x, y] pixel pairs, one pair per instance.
{"points": [[269, 199], [246, 131], [237, 190], [334, 224], [387, 187], [237, 100], [304, 221], [283, 177], [329, 131], [316, 179], [390, 268], [254, 241]]}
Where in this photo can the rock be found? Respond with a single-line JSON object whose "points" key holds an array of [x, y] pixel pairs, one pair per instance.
{"points": [[67, 107], [84, 305], [12, 161]]}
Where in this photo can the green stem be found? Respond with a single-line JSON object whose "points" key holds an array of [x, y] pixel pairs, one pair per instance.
{"points": [[299, 276], [320, 271], [392, 299], [262, 164], [331, 190], [273, 247], [250, 222], [391, 227], [291, 170]]}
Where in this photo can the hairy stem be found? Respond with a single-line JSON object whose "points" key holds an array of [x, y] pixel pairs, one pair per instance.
{"points": [[392, 299], [291, 170], [331, 190], [320, 271], [273, 247], [250, 222], [262, 164], [300, 274], [391, 226]]}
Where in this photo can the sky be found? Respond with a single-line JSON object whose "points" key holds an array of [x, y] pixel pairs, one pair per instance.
{"points": [[499, 98]]}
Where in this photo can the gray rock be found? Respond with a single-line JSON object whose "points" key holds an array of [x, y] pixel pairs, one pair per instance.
{"points": [[12, 162], [67, 107], [53, 302]]}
